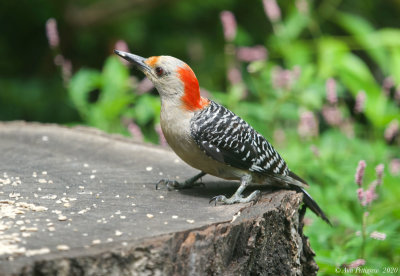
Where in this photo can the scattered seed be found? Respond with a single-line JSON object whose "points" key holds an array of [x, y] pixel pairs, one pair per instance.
{"points": [[149, 169], [37, 252], [62, 218], [118, 233], [62, 247], [150, 216]]}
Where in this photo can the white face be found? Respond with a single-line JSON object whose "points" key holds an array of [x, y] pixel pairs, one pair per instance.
{"points": [[163, 72], [172, 77]]}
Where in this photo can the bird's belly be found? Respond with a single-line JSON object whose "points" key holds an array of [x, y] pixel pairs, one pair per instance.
{"points": [[189, 152]]}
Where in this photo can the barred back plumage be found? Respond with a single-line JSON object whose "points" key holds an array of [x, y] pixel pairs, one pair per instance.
{"points": [[227, 138]]}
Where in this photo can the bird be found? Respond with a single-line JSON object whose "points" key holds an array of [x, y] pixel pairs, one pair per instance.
{"points": [[211, 138]]}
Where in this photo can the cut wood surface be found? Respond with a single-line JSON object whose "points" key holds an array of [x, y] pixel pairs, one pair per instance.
{"points": [[77, 201]]}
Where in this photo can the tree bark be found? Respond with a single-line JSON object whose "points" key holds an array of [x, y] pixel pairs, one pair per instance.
{"points": [[152, 232]]}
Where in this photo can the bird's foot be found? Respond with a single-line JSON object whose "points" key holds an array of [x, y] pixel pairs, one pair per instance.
{"points": [[175, 185], [254, 196]]}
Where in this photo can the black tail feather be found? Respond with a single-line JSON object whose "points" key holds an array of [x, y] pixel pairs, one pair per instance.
{"points": [[310, 202]]}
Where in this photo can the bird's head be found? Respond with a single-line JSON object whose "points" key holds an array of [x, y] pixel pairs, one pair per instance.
{"points": [[174, 79]]}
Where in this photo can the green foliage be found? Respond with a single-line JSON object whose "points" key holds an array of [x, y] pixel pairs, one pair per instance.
{"points": [[113, 97], [104, 99]]}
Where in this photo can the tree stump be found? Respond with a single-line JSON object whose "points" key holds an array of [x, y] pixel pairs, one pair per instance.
{"points": [[76, 201]]}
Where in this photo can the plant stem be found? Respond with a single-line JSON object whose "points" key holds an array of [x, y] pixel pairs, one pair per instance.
{"points": [[364, 233]]}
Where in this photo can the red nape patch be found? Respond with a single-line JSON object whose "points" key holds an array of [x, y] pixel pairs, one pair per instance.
{"points": [[191, 98]]}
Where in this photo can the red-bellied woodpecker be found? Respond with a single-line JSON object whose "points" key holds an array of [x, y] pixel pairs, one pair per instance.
{"points": [[211, 138]]}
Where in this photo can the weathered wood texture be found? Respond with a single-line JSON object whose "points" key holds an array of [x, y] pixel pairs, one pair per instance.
{"points": [[81, 202]]}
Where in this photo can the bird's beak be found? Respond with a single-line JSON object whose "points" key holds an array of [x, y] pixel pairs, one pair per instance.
{"points": [[138, 61]]}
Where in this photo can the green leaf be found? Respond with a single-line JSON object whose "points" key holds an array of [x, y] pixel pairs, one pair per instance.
{"points": [[395, 64], [330, 52], [83, 82], [387, 37], [356, 76], [115, 77], [146, 109], [362, 30]]}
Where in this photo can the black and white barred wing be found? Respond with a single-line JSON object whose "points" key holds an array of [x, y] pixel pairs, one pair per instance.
{"points": [[227, 138]]}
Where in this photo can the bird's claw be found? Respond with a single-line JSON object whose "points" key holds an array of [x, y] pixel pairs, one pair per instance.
{"points": [[254, 196], [171, 184], [219, 198]]}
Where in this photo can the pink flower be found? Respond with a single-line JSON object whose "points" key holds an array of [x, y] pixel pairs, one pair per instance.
{"points": [[379, 173], [122, 46], [378, 236], [347, 127], [234, 75], [369, 195], [66, 71], [332, 115], [392, 131], [395, 166], [229, 25], [282, 79], [58, 60], [302, 6], [52, 33], [272, 10], [161, 138], [388, 83], [360, 195], [66, 67], [397, 95], [135, 131], [145, 85], [360, 172], [331, 91], [308, 125], [356, 263], [205, 93], [279, 136], [249, 54], [360, 102]]}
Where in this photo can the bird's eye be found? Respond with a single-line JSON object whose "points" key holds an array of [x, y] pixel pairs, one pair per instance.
{"points": [[159, 71]]}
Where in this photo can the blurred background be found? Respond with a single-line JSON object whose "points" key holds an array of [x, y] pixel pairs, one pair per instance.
{"points": [[319, 79]]}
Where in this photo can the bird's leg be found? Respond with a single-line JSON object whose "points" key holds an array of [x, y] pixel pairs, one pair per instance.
{"points": [[173, 184], [237, 196]]}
